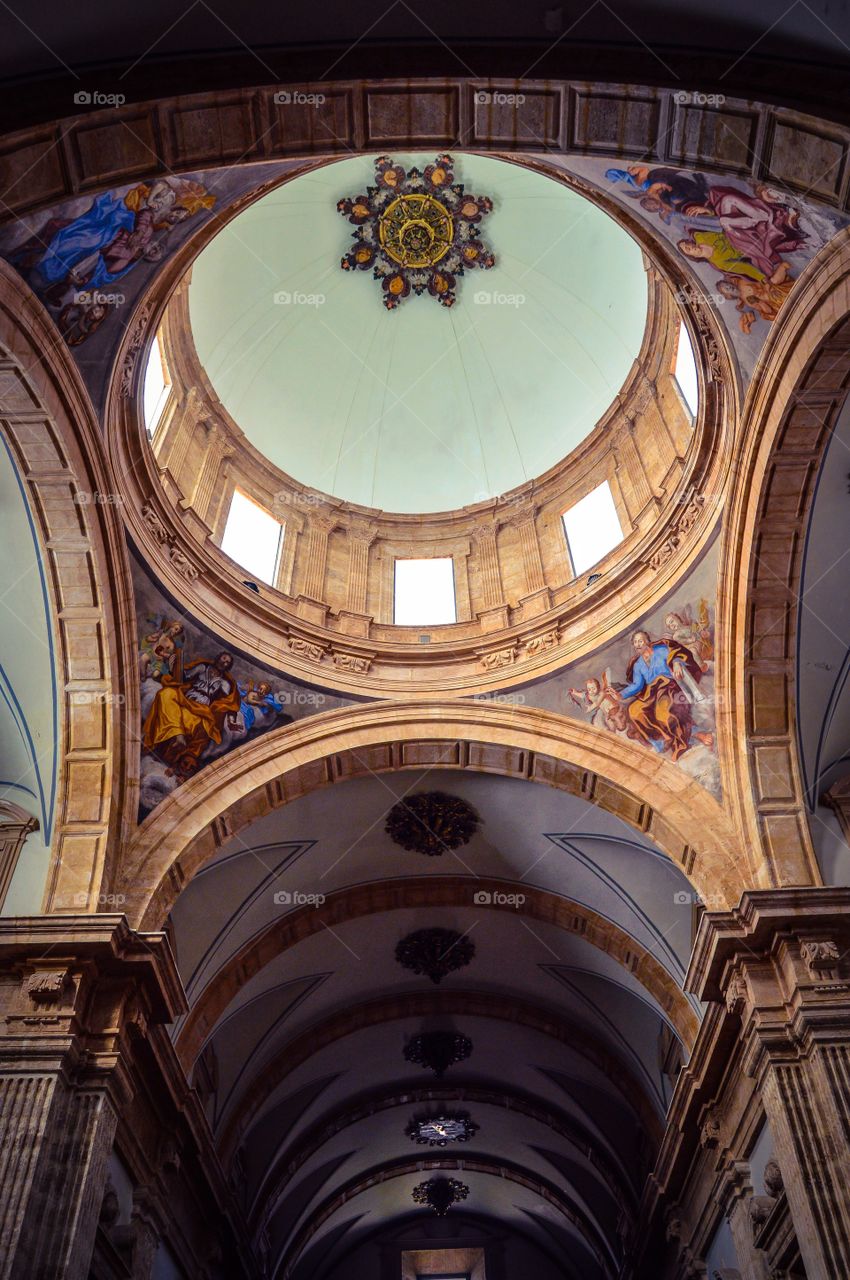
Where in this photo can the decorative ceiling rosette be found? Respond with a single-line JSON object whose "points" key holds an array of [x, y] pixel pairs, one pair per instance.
{"points": [[440, 1130], [437, 1050], [440, 1194], [431, 822], [416, 231], [435, 952]]}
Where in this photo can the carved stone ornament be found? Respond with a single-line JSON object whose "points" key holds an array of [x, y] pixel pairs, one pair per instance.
{"points": [[820, 957], [437, 1050], [352, 662], [176, 556], [736, 994], [673, 1230], [773, 1179], [539, 644], [45, 986], [440, 1194], [710, 1133], [435, 952], [431, 822], [679, 531], [760, 1210], [131, 355], [710, 345], [498, 658], [305, 649]]}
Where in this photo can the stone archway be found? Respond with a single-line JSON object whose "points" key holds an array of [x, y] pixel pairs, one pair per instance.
{"points": [[787, 422], [52, 432], [646, 791]]}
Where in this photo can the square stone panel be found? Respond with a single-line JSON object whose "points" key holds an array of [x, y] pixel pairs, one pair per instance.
{"points": [[810, 161], [32, 175], [302, 125], [428, 117], [210, 134], [102, 150], [609, 121], [536, 121], [709, 137]]}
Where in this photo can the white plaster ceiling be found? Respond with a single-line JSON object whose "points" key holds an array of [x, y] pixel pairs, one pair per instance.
{"points": [[424, 408]]}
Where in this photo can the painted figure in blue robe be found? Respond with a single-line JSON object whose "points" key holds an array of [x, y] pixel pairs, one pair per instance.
{"points": [[658, 708], [260, 706], [101, 245]]}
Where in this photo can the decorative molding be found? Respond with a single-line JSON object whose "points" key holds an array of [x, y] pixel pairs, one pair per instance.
{"points": [[177, 558], [820, 957], [495, 659], [308, 649], [46, 986], [353, 662], [441, 1129]]}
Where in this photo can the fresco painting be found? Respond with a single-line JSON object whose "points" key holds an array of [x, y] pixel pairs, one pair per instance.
{"points": [[653, 685], [201, 698]]}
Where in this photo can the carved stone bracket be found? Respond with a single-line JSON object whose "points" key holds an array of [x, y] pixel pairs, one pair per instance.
{"points": [[497, 658], [679, 531], [821, 957], [308, 649], [175, 555]]}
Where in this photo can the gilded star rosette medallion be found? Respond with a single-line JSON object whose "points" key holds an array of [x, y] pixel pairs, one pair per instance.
{"points": [[416, 231]]}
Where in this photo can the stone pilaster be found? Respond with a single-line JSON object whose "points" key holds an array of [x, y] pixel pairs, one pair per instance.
{"points": [[781, 961], [358, 569], [736, 1200], [70, 990]]}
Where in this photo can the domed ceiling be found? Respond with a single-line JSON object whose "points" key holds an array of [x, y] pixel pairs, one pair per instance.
{"points": [[423, 407]]}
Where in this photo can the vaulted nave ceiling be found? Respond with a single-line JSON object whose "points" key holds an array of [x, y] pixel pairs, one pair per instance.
{"points": [[302, 1065]]}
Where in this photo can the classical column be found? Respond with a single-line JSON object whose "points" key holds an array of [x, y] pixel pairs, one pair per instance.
{"points": [[70, 989], [637, 494], [492, 594], [319, 529], [781, 961], [531, 561], [358, 569], [214, 454]]}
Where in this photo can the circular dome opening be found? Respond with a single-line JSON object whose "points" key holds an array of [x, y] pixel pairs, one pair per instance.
{"points": [[421, 408]]}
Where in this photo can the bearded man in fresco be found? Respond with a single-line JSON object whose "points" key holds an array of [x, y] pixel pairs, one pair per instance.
{"points": [[659, 712], [189, 712]]}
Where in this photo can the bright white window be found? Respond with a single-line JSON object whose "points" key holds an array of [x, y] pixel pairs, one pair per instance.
{"points": [[592, 527], [424, 592], [157, 386], [685, 370], [252, 537]]}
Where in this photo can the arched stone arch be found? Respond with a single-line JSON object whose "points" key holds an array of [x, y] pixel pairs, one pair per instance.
{"points": [[51, 430], [650, 793], [428, 891], [788, 416]]}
